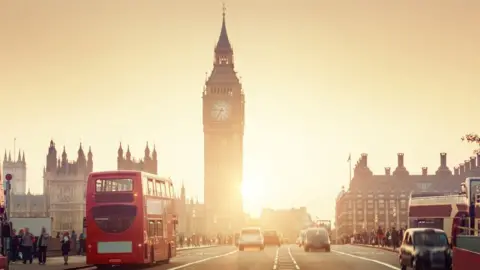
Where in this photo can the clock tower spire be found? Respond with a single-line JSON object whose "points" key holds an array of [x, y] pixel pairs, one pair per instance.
{"points": [[223, 126]]}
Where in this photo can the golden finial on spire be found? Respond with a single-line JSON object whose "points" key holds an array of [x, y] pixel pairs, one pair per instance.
{"points": [[224, 8]]}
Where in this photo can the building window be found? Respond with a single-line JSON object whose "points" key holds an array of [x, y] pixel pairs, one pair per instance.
{"points": [[403, 204], [359, 212], [381, 204], [370, 212], [392, 202], [382, 212]]}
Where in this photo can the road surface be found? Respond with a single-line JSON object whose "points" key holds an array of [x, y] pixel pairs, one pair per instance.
{"points": [[287, 257]]}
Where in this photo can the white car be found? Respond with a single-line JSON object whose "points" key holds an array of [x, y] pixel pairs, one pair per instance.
{"points": [[251, 237]]}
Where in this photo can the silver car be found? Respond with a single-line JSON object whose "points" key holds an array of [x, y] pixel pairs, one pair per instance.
{"points": [[251, 237]]}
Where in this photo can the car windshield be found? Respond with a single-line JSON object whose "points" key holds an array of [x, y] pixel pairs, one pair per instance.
{"points": [[250, 232], [270, 233], [432, 239], [316, 233]]}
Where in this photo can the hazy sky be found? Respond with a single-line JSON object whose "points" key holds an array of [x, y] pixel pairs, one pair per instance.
{"points": [[322, 79]]}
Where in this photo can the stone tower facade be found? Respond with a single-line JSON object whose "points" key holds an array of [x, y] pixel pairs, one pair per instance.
{"points": [[223, 126], [65, 187], [18, 169]]}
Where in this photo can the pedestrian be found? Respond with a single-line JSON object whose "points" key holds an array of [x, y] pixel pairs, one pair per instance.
{"points": [[42, 246], [65, 247], [27, 246]]}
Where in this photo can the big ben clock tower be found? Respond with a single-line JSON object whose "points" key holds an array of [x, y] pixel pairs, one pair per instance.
{"points": [[223, 125]]}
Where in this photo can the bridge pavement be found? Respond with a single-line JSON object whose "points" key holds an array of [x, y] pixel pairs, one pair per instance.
{"points": [[287, 257]]}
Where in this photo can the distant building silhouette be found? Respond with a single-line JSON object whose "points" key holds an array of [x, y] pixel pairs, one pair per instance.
{"points": [[382, 200], [64, 185], [147, 164], [18, 169], [289, 222], [223, 127]]}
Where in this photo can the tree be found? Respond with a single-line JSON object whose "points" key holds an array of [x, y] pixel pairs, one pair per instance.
{"points": [[472, 138]]}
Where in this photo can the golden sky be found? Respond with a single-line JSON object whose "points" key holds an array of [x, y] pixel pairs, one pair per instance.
{"points": [[322, 79]]}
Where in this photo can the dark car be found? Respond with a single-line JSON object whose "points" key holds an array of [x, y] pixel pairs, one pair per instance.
{"points": [[316, 238], [271, 238], [424, 248]]}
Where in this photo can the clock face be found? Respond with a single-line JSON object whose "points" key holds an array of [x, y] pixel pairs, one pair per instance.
{"points": [[221, 110]]}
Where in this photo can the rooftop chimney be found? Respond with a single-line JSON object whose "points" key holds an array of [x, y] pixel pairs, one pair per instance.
{"points": [[424, 171], [387, 171], [400, 160], [456, 170], [364, 159], [443, 160], [467, 165], [462, 168]]}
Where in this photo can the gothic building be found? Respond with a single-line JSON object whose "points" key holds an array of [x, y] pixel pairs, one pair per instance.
{"points": [[382, 200], [147, 164], [22, 202], [18, 169], [65, 186], [190, 213], [223, 127]]}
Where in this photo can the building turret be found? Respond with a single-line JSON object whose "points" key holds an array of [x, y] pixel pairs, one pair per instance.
{"points": [[90, 160], [147, 153], [19, 158], [52, 158], [154, 153], [129, 154], [81, 159], [23, 158], [5, 156], [9, 156]]}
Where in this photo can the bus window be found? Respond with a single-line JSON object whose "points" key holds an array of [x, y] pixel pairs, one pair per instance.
{"points": [[151, 228], [144, 186], [164, 190], [158, 188], [150, 187], [159, 228]]}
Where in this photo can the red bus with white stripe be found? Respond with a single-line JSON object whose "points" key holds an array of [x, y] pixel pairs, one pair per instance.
{"points": [[438, 211], [130, 218]]}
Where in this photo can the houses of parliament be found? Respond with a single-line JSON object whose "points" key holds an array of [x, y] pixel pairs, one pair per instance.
{"points": [[64, 185]]}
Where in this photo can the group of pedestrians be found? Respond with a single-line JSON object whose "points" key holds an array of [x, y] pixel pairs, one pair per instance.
{"points": [[24, 246]]}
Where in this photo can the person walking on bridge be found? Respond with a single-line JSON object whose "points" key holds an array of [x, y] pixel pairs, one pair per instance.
{"points": [[42, 246]]}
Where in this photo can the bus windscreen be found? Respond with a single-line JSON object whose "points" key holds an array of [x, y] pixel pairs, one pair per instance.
{"points": [[114, 185]]}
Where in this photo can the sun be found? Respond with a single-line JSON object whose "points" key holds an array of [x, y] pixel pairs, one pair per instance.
{"points": [[253, 195]]}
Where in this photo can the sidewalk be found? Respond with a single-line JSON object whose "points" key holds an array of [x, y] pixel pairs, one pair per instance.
{"points": [[53, 263], [377, 247]]}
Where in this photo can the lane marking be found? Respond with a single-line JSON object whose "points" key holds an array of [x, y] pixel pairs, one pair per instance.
{"points": [[293, 260], [367, 259], [202, 260], [275, 261]]}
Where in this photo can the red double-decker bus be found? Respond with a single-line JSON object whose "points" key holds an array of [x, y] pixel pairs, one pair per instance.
{"points": [[130, 218]]}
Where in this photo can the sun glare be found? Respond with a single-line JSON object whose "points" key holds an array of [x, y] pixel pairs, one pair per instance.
{"points": [[252, 194]]}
